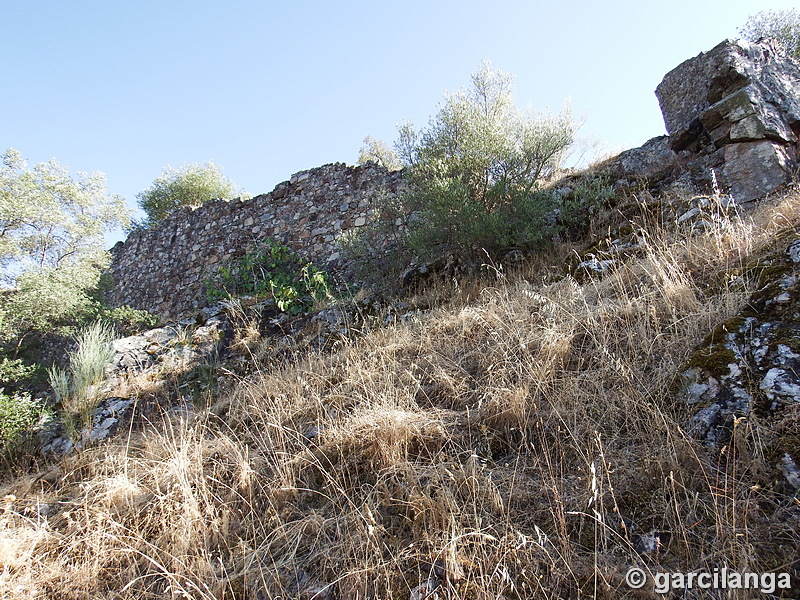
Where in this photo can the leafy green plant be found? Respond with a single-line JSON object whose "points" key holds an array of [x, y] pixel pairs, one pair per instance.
{"points": [[19, 413], [13, 371], [130, 321], [272, 270], [189, 185]]}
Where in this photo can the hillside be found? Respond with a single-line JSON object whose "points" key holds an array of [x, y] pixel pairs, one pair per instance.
{"points": [[522, 440], [624, 399]]}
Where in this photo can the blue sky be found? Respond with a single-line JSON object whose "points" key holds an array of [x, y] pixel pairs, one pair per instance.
{"points": [[266, 89]]}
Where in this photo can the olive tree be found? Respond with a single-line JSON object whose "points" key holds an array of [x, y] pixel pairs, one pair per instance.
{"points": [[380, 153], [189, 185], [52, 253], [49, 219], [782, 26], [476, 170]]}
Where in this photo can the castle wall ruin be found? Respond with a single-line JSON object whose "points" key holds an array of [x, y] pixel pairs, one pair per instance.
{"points": [[163, 269]]}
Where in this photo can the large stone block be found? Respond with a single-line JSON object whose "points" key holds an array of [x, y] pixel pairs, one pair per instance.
{"points": [[754, 169], [738, 91], [735, 110]]}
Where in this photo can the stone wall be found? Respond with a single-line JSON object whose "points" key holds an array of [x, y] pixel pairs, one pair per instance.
{"points": [[733, 118], [163, 269]]}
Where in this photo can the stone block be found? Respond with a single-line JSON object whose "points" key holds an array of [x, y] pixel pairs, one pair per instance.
{"points": [[734, 80], [754, 169]]}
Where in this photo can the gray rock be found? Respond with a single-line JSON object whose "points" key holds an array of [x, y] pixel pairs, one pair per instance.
{"points": [[727, 85], [754, 169], [744, 98], [58, 447], [426, 590], [595, 265], [781, 383], [793, 251], [654, 161], [106, 419], [790, 471], [692, 212], [752, 363]]}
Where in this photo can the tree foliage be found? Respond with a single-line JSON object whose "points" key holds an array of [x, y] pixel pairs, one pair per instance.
{"points": [[189, 185], [48, 219], [45, 299], [380, 153], [782, 26], [476, 170], [51, 245]]}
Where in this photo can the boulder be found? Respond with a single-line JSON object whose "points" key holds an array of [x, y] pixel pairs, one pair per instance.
{"points": [[735, 110], [754, 169], [652, 162], [738, 91]]}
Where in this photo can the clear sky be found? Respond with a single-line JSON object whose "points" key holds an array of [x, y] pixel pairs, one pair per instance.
{"points": [[266, 89]]}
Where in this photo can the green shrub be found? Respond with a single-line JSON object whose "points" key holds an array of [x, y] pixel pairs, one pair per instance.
{"points": [[50, 300], [19, 414], [15, 371], [272, 270], [475, 174], [378, 251], [379, 153], [189, 185], [450, 220], [51, 247], [476, 170], [130, 321], [577, 209]]}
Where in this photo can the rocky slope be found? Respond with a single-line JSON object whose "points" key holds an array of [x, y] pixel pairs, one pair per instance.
{"points": [[631, 400]]}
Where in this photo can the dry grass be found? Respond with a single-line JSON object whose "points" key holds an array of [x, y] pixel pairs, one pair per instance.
{"points": [[513, 445]]}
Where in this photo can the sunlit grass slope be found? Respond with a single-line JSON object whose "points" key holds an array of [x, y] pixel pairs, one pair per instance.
{"points": [[521, 443]]}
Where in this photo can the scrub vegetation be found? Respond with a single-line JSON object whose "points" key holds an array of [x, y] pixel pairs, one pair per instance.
{"points": [[522, 440], [521, 436]]}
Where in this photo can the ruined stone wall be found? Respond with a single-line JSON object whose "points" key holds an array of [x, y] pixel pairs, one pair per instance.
{"points": [[163, 269]]}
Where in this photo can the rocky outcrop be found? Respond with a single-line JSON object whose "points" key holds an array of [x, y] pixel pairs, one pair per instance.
{"points": [[163, 269], [748, 369], [188, 356], [173, 349], [651, 163], [735, 110]]}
